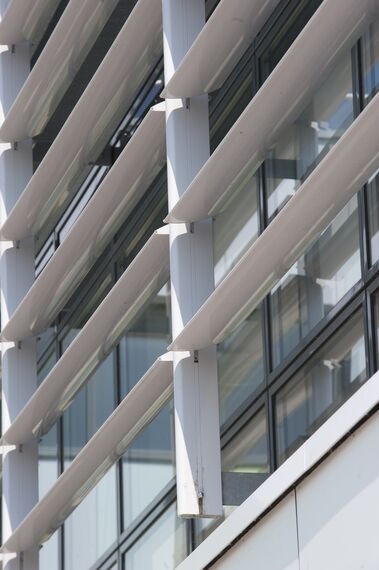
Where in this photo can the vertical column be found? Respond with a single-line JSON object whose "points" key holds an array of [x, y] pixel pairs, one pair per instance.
{"points": [[20, 466], [197, 436]]}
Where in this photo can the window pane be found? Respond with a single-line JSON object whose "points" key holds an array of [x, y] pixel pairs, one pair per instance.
{"points": [[316, 282], [148, 465], [247, 452], [370, 50], [163, 546], [309, 139], [373, 217], [49, 553], [146, 339], [235, 227], [227, 103], [240, 365], [329, 378], [92, 528]]}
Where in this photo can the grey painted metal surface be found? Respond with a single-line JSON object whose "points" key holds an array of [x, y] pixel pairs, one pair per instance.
{"points": [[333, 28], [26, 20], [147, 273], [129, 178], [344, 170], [103, 450], [62, 56], [91, 123], [219, 46]]}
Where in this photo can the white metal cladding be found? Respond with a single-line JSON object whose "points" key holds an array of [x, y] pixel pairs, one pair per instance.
{"points": [[92, 122], [127, 181], [334, 27], [55, 68], [147, 273], [344, 170], [26, 20], [219, 46], [103, 450]]}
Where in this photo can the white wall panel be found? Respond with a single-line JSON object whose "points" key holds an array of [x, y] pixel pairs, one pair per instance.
{"points": [[270, 545], [337, 507]]}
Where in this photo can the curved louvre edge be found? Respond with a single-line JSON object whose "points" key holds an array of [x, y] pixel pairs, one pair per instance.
{"points": [[344, 170], [56, 67], [213, 55], [129, 178], [334, 26], [103, 450], [26, 21], [147, 273], [91, 123]]}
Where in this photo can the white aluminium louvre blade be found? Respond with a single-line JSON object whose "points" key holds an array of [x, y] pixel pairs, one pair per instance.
{"points": [[92, 122], [344, 170], [125, 184], [147, 273], [70, 42], [26, 20], [335, 26], [103, 450], [219, 46]]}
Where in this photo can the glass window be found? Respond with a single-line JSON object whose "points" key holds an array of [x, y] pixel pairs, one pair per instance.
{"points": [[227, 103], [240, 365], [302, 146], [163, 546], [329, 378], [376, 309], [235, 226], [49, 553], [247, 452], [370, 51], [316, 282], [148, 465], [92, 528], [373, 216], [146, 339]]}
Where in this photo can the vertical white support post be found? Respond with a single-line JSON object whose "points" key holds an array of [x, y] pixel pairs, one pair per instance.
{"points": [[20, 466], [197, 434]]}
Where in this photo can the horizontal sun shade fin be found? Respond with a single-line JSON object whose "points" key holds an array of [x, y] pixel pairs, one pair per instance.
{"points": [[147, 273], [213, 55], [334, 27], [345, 169], [56, 67], [108, 444], [26, 21], [129, 178], [91, 124]]}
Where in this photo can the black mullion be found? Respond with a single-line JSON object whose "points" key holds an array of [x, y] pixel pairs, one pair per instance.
{"points": [[370, 336], [358, 106], [60, 449]]}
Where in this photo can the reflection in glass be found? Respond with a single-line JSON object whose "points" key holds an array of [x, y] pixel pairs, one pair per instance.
{"points": [[240, 365], [247, 452], [148, 465], [227, 103], [370, 53], [309, 139], [163, 546], [329, 378], [316, 282], [235, 227], [49, 554], [92, 528], [373, 217], [146, 339]]}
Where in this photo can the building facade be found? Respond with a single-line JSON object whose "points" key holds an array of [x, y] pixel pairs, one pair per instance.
{"points": [[189, 284]]}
